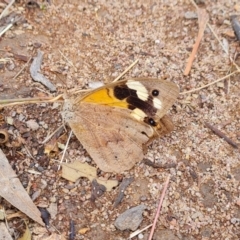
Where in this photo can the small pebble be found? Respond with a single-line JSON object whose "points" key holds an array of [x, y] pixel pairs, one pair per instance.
{"points": [[130, 219], [143, 198], [94, 85], [140, 236], [21, 117], [9, 120], [53, 199], [235, 220], [32, 124], [10, 66], [40, 169], [190, 15], [14, 114]]}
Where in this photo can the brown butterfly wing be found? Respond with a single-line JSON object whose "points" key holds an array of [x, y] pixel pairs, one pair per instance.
{"points": [[167, 93], [112, 137]]}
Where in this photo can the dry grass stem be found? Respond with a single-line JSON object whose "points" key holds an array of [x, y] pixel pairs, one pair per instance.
{"points": [[68, 61], [207, 85], [134, 234], [159, 207], [216, 36], [22, 101], [131, 66], [4, 60], [65, 149], [52, 134], [4, 12], [25, 65], [6, 29]]}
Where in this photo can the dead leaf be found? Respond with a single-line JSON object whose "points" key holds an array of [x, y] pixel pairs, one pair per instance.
{"points": [[75, 170], [83, 230], [27, 234], [53, 209], [237, 7], [61, 146], [53, 145], [229, 33], [9, 120], [12, 190], [15, 215], [4, 234], [45, 215], [51, 148], [2, 213]]}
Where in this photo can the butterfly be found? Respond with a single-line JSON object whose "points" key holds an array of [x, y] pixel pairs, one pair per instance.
{"points": [[116, 122]]}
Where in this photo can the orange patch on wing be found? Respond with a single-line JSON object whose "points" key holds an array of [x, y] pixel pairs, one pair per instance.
{"points": [[105, 96]]}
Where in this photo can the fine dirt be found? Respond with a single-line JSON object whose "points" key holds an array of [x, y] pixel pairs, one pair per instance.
{"points": [[90, 41]]}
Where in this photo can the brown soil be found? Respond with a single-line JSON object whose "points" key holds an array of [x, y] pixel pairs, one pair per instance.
{"points": [[89, 41]]}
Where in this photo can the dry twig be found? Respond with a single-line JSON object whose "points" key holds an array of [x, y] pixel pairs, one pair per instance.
{"points": [[125, 183], [36, 75], [236, 26], [221, 135], [202, 22], [159, 165]]}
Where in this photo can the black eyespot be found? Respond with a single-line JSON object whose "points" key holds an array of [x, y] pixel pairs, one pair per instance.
{"points": [[151, 122], [155, 92]]}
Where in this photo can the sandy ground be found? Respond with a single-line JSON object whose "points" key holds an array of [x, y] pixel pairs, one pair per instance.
{"points": [[89, 41]]}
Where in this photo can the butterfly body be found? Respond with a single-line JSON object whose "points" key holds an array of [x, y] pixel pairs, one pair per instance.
{"points": [[115, 121]]}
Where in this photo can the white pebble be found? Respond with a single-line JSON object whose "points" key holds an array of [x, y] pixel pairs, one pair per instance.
{"points": [[140, 236]]}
